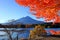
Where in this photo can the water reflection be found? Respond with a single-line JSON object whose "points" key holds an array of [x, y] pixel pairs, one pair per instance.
{"points": [[17, 33], [13, 33]]}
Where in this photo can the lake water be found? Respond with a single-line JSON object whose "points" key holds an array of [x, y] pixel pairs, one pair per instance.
{"points": [[23, 34]]}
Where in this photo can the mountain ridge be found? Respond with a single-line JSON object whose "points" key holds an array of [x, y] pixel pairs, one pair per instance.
{"points": [[26, 20]]}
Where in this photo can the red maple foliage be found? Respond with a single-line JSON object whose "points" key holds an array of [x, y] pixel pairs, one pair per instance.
{"points": [[55, 32], [46, 9]]}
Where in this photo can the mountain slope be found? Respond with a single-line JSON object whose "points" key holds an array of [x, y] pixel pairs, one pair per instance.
{"points": [[26, 20]]}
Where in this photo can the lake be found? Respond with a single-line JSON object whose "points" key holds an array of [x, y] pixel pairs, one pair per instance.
{"points": [[22, 34]]}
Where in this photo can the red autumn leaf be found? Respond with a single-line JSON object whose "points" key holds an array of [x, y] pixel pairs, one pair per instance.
{"points": [[43, 8]]}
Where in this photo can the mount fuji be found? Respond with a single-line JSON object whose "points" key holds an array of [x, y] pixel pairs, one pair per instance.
{"points": [[26, 20]]}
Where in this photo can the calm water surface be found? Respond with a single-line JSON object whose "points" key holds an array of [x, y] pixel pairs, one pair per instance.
{"points": [[23, 34]]}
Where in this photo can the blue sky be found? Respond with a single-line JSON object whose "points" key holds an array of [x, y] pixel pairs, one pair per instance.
{"points": [[9, 9]]}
